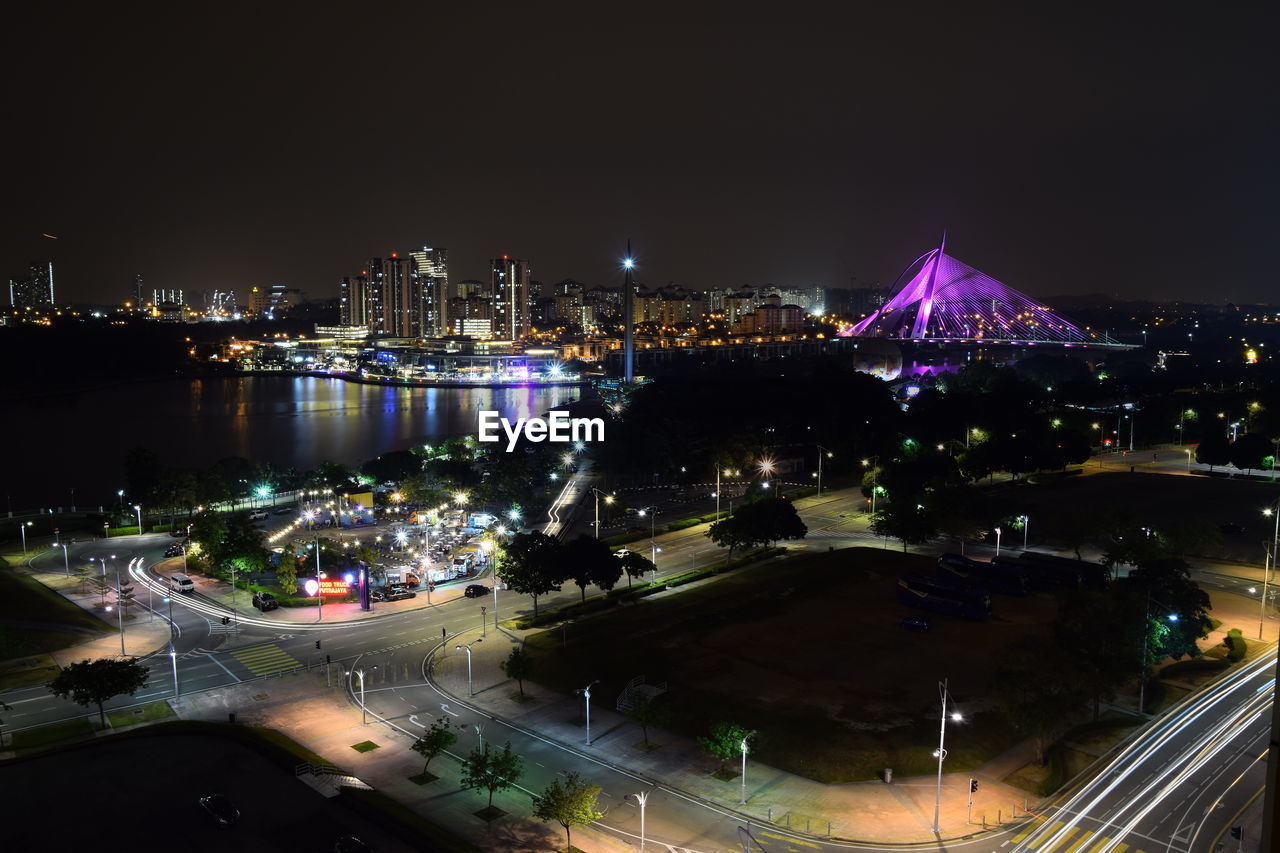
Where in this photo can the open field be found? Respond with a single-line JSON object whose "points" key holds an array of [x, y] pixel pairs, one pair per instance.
{"points": [[808, 651], [1149, 499], [35, 619]]}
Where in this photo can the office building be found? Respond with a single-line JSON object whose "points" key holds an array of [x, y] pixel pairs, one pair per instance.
{"points": [[511, 297], [34, 291]]}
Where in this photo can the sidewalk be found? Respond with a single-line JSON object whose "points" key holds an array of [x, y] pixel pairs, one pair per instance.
{"points": [[325, 720], [864, 811]]}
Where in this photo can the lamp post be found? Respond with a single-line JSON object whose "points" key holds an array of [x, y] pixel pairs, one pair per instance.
{"points": [[942, 750], [822, 451], [642, 798], [470, 690], [766, 468], [120, 612], [873, 462], [653, 518], [1270, 512], [608, 499], [997, 531], [364, 717], [1026, 529], [23, 529], [586, 693], [66, 562], [137, 509], [743, 746], [173, 658]]}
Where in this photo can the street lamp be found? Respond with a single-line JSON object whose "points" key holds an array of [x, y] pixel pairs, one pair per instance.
{"points": [[822, 451], [1026, 528], [872, 463], [1270, 512], [586, 693], [470, 690], [608, 499], [137, 508], [766, 468], [642, 798], [364, 716], [173, 658], [743, 746], [120, 612], [997, 541], [942, 749], [653, 546], [728, 472], [66, 563], [23, 528]]}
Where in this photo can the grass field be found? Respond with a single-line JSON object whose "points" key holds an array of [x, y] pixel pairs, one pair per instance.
{"points": [[145, 714], [44, 735], [35, 619], [809, 652]]}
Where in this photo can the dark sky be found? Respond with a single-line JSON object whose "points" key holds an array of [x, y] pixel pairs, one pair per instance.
{"points": [[1126, 148]]}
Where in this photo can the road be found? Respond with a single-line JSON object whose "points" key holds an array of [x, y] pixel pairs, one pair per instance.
{"points": [[1152, 796]]}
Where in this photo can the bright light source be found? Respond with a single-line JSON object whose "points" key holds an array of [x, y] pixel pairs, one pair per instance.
{"points": [[956, 716], [628, 263]]}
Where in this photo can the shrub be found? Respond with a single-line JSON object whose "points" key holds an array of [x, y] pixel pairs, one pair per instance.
{"points": [[1236, 646], [1195, 666], [1057, 771], [123, 531], [683, 524]]}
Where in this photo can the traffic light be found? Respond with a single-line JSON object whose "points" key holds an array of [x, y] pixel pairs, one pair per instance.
{"points": [[1237, 832], [973, 786], [226, 620], [327, 660], [317, 644]]}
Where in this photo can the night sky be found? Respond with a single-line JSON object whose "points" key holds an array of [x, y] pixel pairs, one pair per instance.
{"points": [[1122, 149]]}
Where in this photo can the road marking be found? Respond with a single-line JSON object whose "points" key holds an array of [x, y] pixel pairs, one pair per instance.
{"points": [[265, 660], [789, 840], [446, 709], [234, 677]]}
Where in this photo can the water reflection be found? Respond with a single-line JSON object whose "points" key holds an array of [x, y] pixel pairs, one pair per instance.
{"points": [[80, 440]]}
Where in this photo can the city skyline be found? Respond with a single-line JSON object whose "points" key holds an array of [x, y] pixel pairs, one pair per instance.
{"points": [[1063, 155]]}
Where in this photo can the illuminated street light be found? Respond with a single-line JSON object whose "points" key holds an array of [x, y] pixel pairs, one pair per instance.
{"points": [[941, 752], [23, 529], [997, 541], [743, 746], [586, 694], [137, 508], [471, 691]]}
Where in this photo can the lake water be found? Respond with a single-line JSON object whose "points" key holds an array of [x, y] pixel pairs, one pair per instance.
{"points": [[80, 440]]}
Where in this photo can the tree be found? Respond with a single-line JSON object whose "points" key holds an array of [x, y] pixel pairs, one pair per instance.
{"points": [[724, 742], [569, 802], [483, 770], [1101, 635], [531, 565], [392, 467], [519, 665], [101, 586], [287, 571], [733, 534], [773, 519], [94, 682], [635, 565], [906, 520], [647, 710], [82, 572], [588, 561], [435, 740], [1249, 451], [1213, 450]]}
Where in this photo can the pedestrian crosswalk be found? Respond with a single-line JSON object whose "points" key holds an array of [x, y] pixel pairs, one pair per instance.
{"points": [[1058, 839], [265, 659]]}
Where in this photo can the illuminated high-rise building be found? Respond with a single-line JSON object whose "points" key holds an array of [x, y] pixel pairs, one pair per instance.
{"points": [[353, 300], [34, 291], [432, 266], [511, 298], [394, 300]]}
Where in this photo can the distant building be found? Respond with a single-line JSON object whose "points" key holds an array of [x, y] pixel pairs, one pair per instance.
{"points": [[394, 300], [432, 267], [472, 287], [35, 290], [138, 299], [353, 300], [511, 297]]}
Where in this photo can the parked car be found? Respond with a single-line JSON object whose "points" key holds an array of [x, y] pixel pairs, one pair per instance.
{"points": [[392, 594], [915, 623], [178, 532], [476, 590], [257, 515], [284, 510], [265, 601], [174, 550], [222, 810], [181, 583]]}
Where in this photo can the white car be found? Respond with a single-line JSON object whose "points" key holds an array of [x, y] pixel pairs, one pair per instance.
{"points": [[257, 515]]}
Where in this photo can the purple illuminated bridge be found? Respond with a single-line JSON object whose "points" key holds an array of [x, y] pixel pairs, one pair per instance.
{"points": [[946, 299]]}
